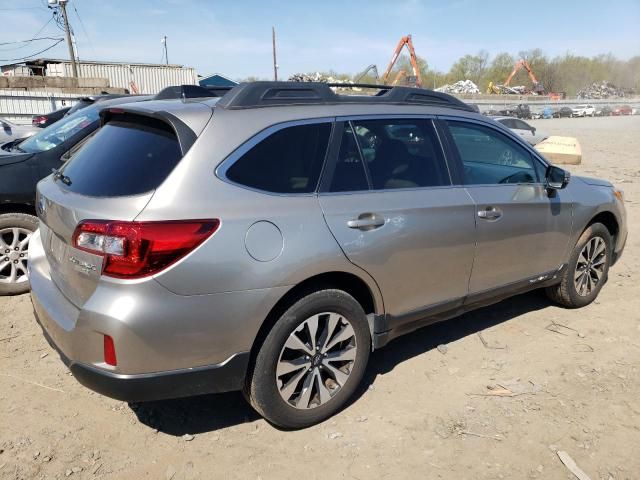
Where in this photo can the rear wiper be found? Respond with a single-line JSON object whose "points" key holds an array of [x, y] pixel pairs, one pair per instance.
{"points": [[58, 175]]}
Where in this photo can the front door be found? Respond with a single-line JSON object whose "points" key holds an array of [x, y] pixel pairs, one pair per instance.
{"points": [[390, 205], [522, 230]]}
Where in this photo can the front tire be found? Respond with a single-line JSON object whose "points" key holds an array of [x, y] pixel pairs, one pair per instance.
{"points": [[15, 232], [312, 360], [587, 269]]}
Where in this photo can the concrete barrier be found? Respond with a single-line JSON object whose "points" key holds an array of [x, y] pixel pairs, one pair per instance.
{"points": [[561, 150]]}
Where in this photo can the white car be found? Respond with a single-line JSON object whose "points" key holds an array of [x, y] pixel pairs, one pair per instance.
{"points": [[584, 111], [522, 128], [10, 131]]}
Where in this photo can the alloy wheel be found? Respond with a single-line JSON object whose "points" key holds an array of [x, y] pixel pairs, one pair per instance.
{"points": [[316, 360], [590, 266], [14, 247]]}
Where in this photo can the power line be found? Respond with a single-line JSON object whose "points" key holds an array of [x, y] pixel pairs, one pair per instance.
{"points": [[32, 55], [21, 8], [84, 30], [34, 37], [32, 40]]}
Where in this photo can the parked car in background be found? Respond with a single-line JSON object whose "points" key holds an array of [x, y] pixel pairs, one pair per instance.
{"points": [[622, 110], [22, 165], [522, 128], [520, 111], [603, 111], [269, 240], [43, 121], [564, 112], [584, 111], [10, 131], [635, 111]]}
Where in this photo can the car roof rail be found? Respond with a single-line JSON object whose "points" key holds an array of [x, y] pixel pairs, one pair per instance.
{"points": [[186, 91], [272, 94]]}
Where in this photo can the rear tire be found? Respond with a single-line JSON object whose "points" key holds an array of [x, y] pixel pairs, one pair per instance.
{"points": [[298, 379], [15, 231], [587, 269]]}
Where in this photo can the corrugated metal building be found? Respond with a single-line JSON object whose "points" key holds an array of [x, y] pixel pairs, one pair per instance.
{"points": [[147, 77]]}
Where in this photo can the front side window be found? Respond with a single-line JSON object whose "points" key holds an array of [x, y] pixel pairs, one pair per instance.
{"points": [[489, 157], [401, 153], [65, 128], [288, 161]]}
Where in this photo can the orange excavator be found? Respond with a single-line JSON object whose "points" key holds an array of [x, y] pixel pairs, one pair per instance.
{"points": [[538, 88], [522, 63], [417, 78]]}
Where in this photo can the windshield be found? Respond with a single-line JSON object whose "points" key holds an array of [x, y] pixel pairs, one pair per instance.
{"points": [[63, 129]]}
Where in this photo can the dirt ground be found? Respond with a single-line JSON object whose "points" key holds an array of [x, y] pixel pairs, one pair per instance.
{"points": [[424, 412]]}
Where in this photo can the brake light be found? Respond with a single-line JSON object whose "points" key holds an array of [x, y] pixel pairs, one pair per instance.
{"points": [[140, 249]]}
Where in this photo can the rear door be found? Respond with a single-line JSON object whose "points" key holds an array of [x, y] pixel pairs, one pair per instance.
{"points": [[388, 200], [112, 178], [522, 231]]}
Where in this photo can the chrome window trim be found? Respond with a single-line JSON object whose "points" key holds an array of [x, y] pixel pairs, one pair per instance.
{"points": [[223, 167]]}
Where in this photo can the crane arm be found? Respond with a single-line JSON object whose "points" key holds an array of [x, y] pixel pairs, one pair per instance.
{"points": [[414, 62], [516, 67], [522, 63], [370, 68], [403, 41], [530, 72]]}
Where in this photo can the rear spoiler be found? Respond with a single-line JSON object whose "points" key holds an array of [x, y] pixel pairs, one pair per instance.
{"points": [[185, 135], [190, 91]]}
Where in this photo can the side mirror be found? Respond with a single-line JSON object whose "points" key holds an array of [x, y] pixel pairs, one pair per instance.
{"points": [[533, 130], [557, 178]]}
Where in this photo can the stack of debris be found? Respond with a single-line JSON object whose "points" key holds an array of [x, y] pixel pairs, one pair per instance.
{"points": [[462, 86], [601, 90], [318, 77]]}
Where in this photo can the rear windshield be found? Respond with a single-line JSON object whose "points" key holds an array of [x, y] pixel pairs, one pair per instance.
{"points": [[128, 156]]}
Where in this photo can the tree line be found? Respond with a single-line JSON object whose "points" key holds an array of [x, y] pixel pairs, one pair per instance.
{"points": [[566, 73]]}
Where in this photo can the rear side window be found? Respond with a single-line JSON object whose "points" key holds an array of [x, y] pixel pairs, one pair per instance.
{"points": [[126, 157], [288, 161], [349, 175], [401, 153]]}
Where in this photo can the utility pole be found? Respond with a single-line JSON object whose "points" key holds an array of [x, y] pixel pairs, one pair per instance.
{"points": [[67, 31], [166, 53], [275, 63]]}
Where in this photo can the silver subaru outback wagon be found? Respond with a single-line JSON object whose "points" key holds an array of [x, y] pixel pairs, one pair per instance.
{"points": [[268, 241]]}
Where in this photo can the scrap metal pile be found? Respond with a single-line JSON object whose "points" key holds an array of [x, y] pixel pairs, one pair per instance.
{"points": [[462, 86], [517, 90], [318, 77], [601, 90]]}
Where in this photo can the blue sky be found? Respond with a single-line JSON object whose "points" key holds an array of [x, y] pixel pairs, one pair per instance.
{"points": [[234, 37]]}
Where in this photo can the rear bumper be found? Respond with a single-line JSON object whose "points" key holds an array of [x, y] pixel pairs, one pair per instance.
{"points": [[224, 377], [167, 345]]}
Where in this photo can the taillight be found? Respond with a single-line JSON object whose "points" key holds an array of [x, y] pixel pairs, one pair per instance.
{"points": [[40, 120], [140, 249]]}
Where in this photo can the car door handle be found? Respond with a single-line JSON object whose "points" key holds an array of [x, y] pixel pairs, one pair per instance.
{"points": [[366, 221], [490, 213]]}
